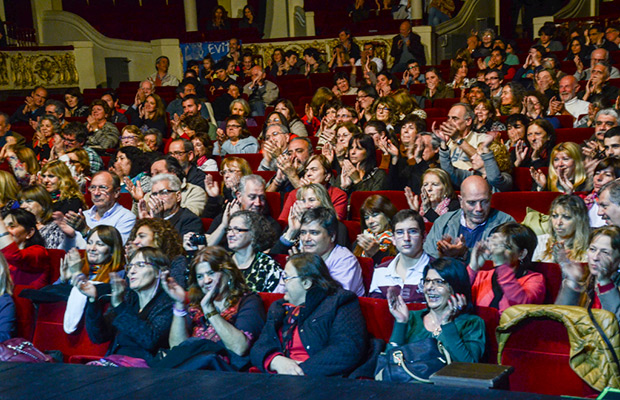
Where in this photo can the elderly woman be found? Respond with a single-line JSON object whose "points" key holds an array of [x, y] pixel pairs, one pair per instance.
{"points": [[74, 103], [437, 196], [131, 135], [232, 169], [57, 179], [24, 248], [131, 164], [249, 234], [238, 138], [569, 231], [138, 319], [47, 133], [317, 329], [241, 108], [600, 288], [486, 120], [566, 171], [510, 248], [449, 317], [38, 201], [376, 239], [222, 309], [102, 134]]}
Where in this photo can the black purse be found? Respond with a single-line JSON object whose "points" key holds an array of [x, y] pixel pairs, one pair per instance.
{"points": [[413, 362]]}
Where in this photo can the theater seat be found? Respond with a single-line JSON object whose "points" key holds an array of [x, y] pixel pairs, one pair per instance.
{"points": [[269, 298], [575, 135], [353, 228], [523, 179], [397, 197], [24, 313], [368, 269], [553, 279], [56, 255], [379, 321], [515, 203], [206, 223], [253, 159], [491, 321]]}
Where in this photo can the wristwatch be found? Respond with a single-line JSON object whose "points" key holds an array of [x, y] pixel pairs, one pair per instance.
{"points": [[459, 141]]}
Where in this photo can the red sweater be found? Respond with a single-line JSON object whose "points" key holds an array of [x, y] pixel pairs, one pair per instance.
{"points": [[29, 266]]}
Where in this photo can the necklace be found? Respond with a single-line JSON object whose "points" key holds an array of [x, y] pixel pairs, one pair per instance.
{"points": [[437, 331]]}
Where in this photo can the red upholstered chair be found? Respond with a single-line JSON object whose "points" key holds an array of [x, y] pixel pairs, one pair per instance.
{"points": [[206, 223], [397, 197], [553, 279], [124, 200], [515, 203], [368, 268], [56, 255], [379, 321], [539, 352], [24, 313], [576, 135], [267, 175], [269, 298], [566, 121], [353, 228], [253, 159], [280, 259], [446, 104], [491, 321], [523, 179], [50, 335]]}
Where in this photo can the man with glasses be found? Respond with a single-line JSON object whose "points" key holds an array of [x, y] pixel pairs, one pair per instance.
{"points": [[74, 137], [32, 108], [597, 38], [404, 272], [105, 190], [494, 79], [457, 136], [612, 34], [165, 202], [596, 57], [183, 151], [346, 114], [369, 51], [275, 144]]}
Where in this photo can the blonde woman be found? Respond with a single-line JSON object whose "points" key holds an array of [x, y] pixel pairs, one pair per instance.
{"points": [[131, 135], [567, 173], [8, 191], [58, 181], [7, 306]]}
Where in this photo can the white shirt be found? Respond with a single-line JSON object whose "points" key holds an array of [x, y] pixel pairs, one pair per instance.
{"points": [[386, 277], [576, 107]]}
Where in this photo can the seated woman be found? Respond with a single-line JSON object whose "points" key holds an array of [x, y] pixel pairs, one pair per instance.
{"points": [[79, 165], [511, 99], [459, 69], [607, 170], [23, 162], [319, 171], [567, 173], [385, 109], [102, 134], [286, 108], [510, 248], [535, 153], [238, 138], [516, 129], [536, 106], [404, 272], [600, 288], [222, 309], [359, 169], [249, 234], [9, 188], [317, 329], [74, 103], [138, 320], [337, 153], [47, 133], [133, 167], [449, 317], [38, 201], [486, 119], [569, 234], [131, 135], [24, 248], [437, 196], [376, 239], [203, 153], [241, 108], [7, 306], [491, 161], [232, 170], [436, 88], [152, 114], [58, 181]]}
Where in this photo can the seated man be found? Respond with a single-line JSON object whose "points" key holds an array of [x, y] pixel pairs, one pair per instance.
{"points": [[455, 232], [596, 57], [369, 51], [221, 80], [404, 272], [612, 142], [412, 74], [291, 166], [609, 203], [290, 65], [118, 115], [7, 136], [405, 46], [161, 77], [186, 91], [458, 135], [105, 190], [165, 202], [183, 151], [598, 85], [261, 93], [74, 137], [568, 104], [275, 144], [57, 109], [32, 108]]}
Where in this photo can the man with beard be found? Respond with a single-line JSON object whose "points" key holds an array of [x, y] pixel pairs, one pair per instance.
{"points": [[183, 151], [568, 103], [291, 166]]}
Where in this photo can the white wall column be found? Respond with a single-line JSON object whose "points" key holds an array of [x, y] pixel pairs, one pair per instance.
{"points": [[417, 12], [191, 18], [84, 63], [169, 48]]}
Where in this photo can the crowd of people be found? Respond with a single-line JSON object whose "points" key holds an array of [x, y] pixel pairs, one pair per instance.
{"points": [[156, 281]]}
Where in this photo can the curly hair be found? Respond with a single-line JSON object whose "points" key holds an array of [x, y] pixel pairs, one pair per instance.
{"points": [[220, 261], [140, 162], [391, 105], [578, 244], [68, 187], [263, 234], [165, 236]]}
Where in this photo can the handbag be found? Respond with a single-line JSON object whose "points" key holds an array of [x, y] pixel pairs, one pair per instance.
{"points": [[21, 350], [413, 362]]}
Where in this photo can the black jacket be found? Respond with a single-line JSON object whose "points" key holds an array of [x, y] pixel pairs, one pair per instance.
{"points": [[415, 48], [185, 221], [332, 330]]}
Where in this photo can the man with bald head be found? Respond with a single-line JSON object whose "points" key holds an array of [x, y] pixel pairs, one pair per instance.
{"points": [[568, 103], [596, 57], [261, 93], [406, 46], [457, 135], [456, 232]]}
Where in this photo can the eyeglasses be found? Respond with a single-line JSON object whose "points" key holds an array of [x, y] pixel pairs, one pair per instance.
{"points": [[225, 172], [442, 283], [68, 140], [413, 67], [360, 97], [344, 116], [164, 192], [235, 230], [383, 108], [101, 188], [128, 137], [286, 279], [139, 265], [233, 126], [177, 153]]}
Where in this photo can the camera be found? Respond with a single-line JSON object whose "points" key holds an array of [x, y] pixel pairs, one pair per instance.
{"points": [[197, 239]]}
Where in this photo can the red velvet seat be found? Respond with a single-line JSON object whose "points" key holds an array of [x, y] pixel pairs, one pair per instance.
{"points": [[124, 200], [397, 197], [24, 313], [379, 320], [553, 279], [523, 179], [56, 255], [280, 259], [206, 223], [368, 268], [576, 135], [445, 104], [266, 175], [491, 321], [253, 159], [353, 228], [269, 298], [515, 203]]}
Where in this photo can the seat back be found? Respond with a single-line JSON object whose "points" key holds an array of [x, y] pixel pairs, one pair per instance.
{"points": [[24, 313], [353, 229], [397, 197], [368, 269], [269, 298], [56, 255], [553, 279], [516, 203], [491, 322], [379, 320]]}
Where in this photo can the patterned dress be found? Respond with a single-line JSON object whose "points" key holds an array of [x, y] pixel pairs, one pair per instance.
{"points": [[263, 274]]}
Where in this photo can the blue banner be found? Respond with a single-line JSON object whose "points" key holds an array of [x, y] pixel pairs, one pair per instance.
{"points": [[197, 51]]}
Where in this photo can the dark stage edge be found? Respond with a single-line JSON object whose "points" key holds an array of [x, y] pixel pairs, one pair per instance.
{"points": [[65, 381]]}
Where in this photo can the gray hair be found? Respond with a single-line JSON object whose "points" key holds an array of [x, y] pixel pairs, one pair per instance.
{"points": [[244, 104], [257, 179], [614, 191], [607, 111], [305, 139], [173, 181], [435, 141], [469, 112], [54, 121], [283, 128], [157, 133], [60, 107]]}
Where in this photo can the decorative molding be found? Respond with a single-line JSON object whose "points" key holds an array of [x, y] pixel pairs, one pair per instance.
{"points": [[27, 69]]}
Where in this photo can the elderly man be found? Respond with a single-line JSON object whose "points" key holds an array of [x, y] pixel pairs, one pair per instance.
{"points": [[105, 189], [598, 86], [261, 93], [604, 120], [609, 203], [405, 46], [276, 141], [74, 137], [183, 151], [165, 202], [596, 57], [161, 77], [457, 135], [7, 136], [457, 231], [369, 51], [569, 103], [291, 166], [32, 108], [57, 109]]}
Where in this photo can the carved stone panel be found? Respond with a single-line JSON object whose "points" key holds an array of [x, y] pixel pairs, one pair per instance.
{"points": [[27, 69]]}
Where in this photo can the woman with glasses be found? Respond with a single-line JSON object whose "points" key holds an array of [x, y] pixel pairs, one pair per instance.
{"points": [[249, 234], [317, 329], [232, 169], [385, 110], [449, 317], [131, 135], [222, 309], [237, 139], [79, 165], [510, 248], [58, 181], [138, 320]]}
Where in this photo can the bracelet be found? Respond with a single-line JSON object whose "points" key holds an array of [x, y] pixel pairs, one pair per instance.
{"points": [[3, 234], [179, 313], [212, 313]]}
